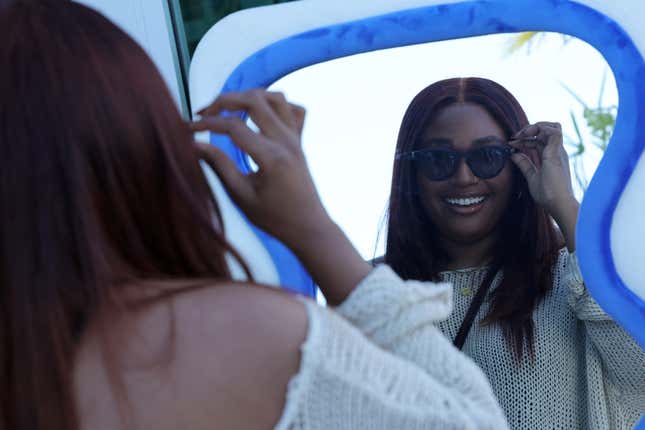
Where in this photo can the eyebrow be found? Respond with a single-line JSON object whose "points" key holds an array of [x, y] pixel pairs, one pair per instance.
{"points": [[438, 141], [481, 141], [487, 139]]}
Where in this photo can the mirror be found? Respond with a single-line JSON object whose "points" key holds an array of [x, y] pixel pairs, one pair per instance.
{"points": [[294, 36]]}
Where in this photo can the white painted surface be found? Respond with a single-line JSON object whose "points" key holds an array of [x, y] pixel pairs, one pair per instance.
{"points": [[627, 13], [145, 21]]}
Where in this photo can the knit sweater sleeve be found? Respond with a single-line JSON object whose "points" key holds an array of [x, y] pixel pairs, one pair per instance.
{"points": [[622, 357], [347, 381], [401, 316]]}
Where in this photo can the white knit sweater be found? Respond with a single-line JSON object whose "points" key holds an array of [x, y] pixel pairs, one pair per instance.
{"points": [[588, 373], [385, 365]]}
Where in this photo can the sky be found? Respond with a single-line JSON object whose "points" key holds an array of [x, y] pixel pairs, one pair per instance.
{"points": [[355, 105]]}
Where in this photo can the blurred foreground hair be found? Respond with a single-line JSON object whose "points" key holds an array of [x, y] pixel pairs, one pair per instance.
{"points": [[100, 189]]}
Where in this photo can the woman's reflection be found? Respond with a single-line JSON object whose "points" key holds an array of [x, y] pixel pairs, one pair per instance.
{"points": [[475, 193]]}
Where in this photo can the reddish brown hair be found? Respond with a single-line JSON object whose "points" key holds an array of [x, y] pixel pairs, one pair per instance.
{"points": [[100, 186], [529, 241]]}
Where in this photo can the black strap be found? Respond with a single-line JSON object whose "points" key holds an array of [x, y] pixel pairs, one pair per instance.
{"points": [[473, 309]]}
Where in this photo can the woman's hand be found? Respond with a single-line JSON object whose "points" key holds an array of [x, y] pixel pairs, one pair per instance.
{"points": [[545, 164], [281, 197]]}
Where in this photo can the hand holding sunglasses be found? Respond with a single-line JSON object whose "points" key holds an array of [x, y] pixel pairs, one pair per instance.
{"points": [[544, 163]]}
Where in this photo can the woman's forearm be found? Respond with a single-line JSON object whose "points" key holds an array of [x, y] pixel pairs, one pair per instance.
{"points": [[331, 259]]}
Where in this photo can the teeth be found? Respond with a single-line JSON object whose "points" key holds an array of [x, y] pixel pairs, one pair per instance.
{"points": [[465, 201]]}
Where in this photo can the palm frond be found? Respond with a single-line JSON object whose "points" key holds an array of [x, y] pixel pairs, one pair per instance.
{"points": [[574, 95], [578, 145], [520, 41], [602, 88]]}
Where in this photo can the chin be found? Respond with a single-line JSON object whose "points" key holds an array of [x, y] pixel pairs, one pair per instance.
{"points": [[469, 236]]}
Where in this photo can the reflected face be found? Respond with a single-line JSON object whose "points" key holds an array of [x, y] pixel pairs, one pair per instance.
{"points": [[464, 208]]}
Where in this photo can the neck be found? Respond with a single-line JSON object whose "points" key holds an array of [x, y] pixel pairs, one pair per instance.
{"points": [[473, 254]]}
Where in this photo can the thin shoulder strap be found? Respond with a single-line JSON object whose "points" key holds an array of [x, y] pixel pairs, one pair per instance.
{"points": [[473, 309]]}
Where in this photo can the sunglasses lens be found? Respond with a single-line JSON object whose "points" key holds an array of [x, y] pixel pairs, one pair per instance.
{"points": [[437, 164], [487, 162]]}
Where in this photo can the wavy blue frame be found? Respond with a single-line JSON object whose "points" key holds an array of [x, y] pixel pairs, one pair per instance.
{"points": [[474, 18]]}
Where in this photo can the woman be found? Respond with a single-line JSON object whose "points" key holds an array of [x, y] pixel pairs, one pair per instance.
{"points": [[117, 308], [475, 193]]}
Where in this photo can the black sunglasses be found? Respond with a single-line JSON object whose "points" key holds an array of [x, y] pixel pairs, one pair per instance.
{"points": [[438, 164]]}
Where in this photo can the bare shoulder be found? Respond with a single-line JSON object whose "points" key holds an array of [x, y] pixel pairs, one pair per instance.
{"points": [[222, 354], [230, 320], [237, 311], [241, 344]]}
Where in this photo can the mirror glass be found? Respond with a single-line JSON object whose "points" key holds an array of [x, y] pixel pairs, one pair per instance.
{"points": [[355, 106]]}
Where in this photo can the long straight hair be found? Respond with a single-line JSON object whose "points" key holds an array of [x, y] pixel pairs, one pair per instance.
{"points": [[529, 241], [100, 187]]}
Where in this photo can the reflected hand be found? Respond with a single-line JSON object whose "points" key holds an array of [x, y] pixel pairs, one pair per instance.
{"points": [[280, 197], [544, 163]]}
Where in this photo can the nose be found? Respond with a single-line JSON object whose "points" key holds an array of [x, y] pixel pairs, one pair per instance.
{"points": [[464, 176]]}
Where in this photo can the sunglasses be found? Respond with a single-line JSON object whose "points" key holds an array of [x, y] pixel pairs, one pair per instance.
{"points": [[439, 164]]}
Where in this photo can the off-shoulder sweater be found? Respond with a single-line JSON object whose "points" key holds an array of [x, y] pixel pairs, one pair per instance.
{"points": [[379, 362], [588, 373]]}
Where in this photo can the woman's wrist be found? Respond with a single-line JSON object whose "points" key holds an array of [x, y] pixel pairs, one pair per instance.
{"points": [[565, 214], [302, 239]]}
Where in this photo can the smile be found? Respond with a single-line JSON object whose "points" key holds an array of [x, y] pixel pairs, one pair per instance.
{"points": [[464, 201]]}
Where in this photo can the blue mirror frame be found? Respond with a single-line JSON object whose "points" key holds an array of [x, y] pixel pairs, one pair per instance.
{"points": [[475, 18]]}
